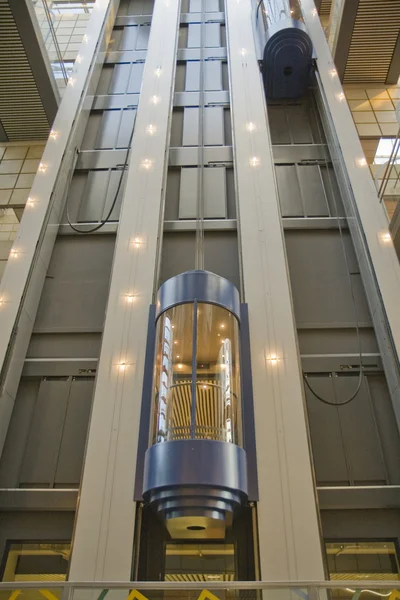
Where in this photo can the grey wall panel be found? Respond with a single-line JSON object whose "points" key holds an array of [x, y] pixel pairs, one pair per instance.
{"points": [[108, 129], [347, 441], [319, 278], [75, 292], [326, 435], [192, 81], [112, 190], [289, 191], [72, 447], [178, 254], [136, 74], [208, 6], [360, 524], [213, 126], [39, 462], [35, 527], [386, 424], [214, 193], [360, 434], [312, 191], [183, 36], [143, 37], [92, 129], [278, 125], [129, 38], [180, 77], [118, 84], [215, 203], [176, 139], [299, 124], [188, 193], [106, 76], [94, 195], [64, 345], [221, 255], [213, 75], [18, 431], [135, 7], [172, 195], [190, 127], [127, 122], [336, 341], [212, 35], [230, 192]]}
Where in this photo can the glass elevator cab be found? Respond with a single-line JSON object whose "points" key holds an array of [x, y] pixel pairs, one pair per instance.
{"points": [[195, 472]]}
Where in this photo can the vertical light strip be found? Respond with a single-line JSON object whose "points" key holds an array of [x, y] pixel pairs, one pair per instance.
{"points": [[106, 517], [288, 532]]}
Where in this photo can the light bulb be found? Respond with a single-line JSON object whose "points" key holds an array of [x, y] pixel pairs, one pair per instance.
{"points": [[53, 134], [386, 237], [250, 126], [146, 163], [254, 161], [42, 168], [158, 72], [333, 73], [155, 99], [180, 366], [341, 97], [243, 51], [362, 162], [79, 59], [30, 202], [151, 129]]}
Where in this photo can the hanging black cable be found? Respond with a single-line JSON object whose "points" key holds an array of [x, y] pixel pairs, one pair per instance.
{"points": [[104, 221], [361, 374]]}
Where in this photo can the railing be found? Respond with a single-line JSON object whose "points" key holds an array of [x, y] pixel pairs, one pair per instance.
{"points": [[202, 590]]}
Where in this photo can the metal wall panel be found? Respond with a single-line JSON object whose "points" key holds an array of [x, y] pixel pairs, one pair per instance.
{"points": [[72, 445], [14, 448], [75, 292], [289, 191], [129, 38], [347, 441], [208, 6], [319, 279], [40, 458], [214, 193], [212, 35], [312, 191], [213, 126]]}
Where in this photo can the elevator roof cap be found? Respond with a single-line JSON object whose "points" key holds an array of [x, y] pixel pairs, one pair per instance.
{"points": [[202, 286]]}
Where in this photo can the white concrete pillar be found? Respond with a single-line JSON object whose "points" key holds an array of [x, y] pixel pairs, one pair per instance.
{"points": [[103, 541], [289, 539]]}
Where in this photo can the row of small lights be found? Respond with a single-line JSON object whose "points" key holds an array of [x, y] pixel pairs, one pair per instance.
{"points": [[147, 163]]}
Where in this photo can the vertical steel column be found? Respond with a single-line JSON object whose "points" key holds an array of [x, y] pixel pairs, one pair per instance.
{"points": [[289, 540], [105, 524]]}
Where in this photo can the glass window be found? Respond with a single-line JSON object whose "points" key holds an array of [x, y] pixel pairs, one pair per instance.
{"points": [[173, 376], [362, 561], [44, 561], [215, 384], [199, 562], [218, 378], [58, 71]]}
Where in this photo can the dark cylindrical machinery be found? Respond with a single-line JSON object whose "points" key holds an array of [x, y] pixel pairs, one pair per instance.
{"points": [[195, 470]]}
